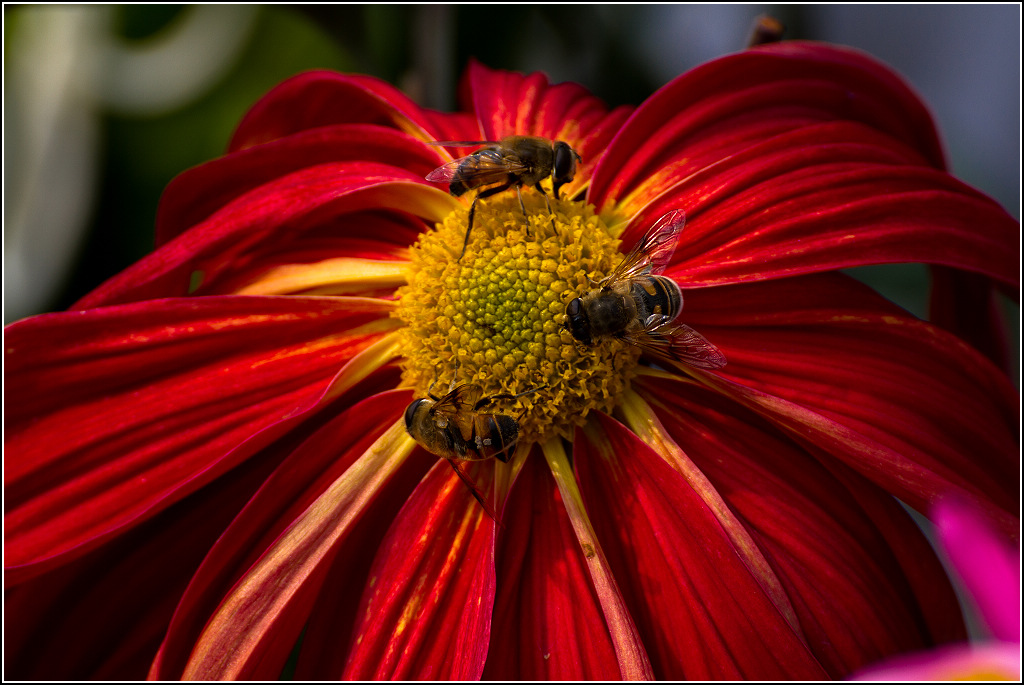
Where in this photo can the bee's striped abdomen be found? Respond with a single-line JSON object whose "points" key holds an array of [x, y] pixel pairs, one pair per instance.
{"points": [[657, 294], [494, 435]]}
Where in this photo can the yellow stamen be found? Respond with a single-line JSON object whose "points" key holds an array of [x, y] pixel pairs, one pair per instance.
{"points": [[496, 316]]}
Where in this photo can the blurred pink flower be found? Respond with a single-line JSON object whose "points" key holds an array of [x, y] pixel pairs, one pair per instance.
{"points": [[990, 571]]}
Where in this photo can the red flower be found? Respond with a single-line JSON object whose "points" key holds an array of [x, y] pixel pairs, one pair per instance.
{"points": [[207, 465]]}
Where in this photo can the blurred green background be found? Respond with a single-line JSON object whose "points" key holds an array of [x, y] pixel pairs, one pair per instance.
{"points": [[104, 105]]}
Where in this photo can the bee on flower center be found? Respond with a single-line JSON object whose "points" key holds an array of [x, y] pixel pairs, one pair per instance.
{"points": [[636, 305], [454, 428], [513, 161]]}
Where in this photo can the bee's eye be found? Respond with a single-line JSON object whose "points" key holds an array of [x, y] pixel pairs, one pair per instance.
{"points": [[410, 412], [565, 161]]}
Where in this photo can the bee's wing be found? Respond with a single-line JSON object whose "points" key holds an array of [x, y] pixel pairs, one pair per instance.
{"points": [[459, 406], [654, 251], [446, 173], [676, 342], [462, 143], [487, 166]]}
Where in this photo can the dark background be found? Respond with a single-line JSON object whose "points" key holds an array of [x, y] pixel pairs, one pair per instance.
{"points": [[104, 105]]}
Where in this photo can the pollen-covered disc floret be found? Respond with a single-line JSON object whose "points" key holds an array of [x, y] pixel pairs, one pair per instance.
{"points": [[496, 316]]}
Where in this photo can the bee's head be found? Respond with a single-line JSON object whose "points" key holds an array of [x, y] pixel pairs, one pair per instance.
{"points": [[565, 165], [577, 322], [410, 412]]}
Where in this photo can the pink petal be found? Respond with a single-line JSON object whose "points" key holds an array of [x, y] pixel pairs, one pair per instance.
{"points": [[988, 565], [984, 662]]}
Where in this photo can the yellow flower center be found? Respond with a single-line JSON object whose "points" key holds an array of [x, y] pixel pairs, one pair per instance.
{"points": [[496, 317]]}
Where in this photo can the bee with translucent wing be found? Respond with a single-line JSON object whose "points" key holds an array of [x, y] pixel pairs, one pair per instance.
{"points": [[637, 305], [454, 428], [512, 161]]}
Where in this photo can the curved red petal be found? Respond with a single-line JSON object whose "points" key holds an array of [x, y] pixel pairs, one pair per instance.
{"points": [[908, 405], [196, 194], [426, 612], [548, 622], [968, 305], [253, 630], [699, 611], [509, 103], [121, 411], [862, 577], [102, 616], [766, 91], [303, 475], [305, 199], [324, 98], [788, 209]]}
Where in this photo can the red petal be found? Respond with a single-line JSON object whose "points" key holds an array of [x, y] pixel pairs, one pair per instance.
{"points": [[762, 92], [548, 620], [426, 613], [115, 413], [102, 616], [301, 478], [700, 612], [284, 207], [785, 216], [968, 305], [253, 630], [863, 579], [911, 407], [794, 160], [508, 103], [199, 192], [324, 98]]}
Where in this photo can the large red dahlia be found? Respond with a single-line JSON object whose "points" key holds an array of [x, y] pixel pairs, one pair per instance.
{"points": [[207, 468]]}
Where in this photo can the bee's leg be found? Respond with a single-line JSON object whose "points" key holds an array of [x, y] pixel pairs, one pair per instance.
{"points": [[538, 187], [505, 396], [469, 227], [522, 206], [437, 377], [476, 493], [472, 210]]}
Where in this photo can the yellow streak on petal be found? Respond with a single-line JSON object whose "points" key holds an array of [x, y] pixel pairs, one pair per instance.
{"points": [[632, 658], [329, 341], [235, 635], [338, 276], [363, 364], [419, 199], [642, 421]]}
